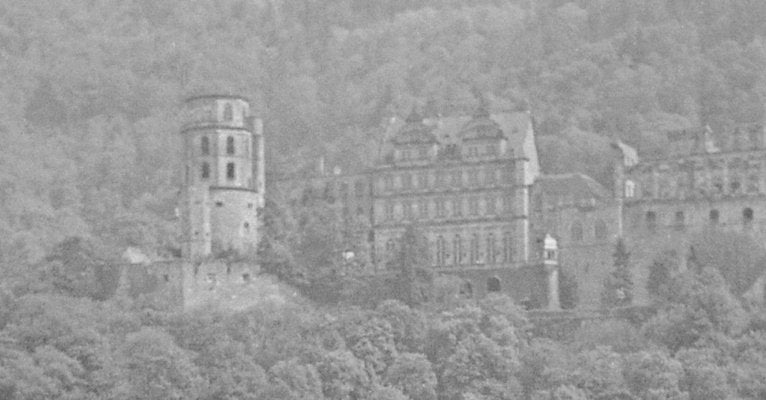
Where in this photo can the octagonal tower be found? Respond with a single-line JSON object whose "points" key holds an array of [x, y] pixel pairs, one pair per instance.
{"points": [[223, 177]]}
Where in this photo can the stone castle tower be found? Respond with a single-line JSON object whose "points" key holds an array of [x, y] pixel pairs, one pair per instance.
{"points": [[224, 176]]}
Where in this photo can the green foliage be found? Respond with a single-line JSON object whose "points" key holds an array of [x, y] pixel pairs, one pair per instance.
{"points": [[412, 266], [618, 287], [700, 310], [567, 290]]}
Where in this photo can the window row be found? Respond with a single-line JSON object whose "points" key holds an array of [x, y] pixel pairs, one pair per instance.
{"points": [[231, 171], [443, 179], [685, 187], [205, 145], [409, 210], [577, 233], [679, 221], [472, 249]]}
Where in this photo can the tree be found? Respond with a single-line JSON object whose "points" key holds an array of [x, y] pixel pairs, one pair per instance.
{"points": [[411, 373], [155, 368], [654, 375], [660, 273], [412, 267], [700, 311], [618, 286]]}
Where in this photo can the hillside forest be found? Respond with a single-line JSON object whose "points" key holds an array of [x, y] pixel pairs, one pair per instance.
{"points": [[90, 160]]}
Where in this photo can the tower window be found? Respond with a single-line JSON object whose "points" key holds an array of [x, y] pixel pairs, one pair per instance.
{"points": [[228, 114], [714, 216], [205, 145], [230, 145], [205, 170], [230, 171]]}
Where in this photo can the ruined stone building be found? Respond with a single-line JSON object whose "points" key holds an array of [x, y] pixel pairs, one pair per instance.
{"points": [[473, 185], [222, 190]]}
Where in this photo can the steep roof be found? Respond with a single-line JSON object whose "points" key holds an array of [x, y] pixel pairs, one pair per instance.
{"points": [[414, 131], [511, 126], [574, 186]]}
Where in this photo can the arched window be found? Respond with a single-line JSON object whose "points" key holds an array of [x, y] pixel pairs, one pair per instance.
{"points": [[205, 170], [466, 290], [747, 216], [600, 229], [230, 145], [576, 231], [205, 145], [714, 217], [457, 250], [507, 247], [493, 284], [228, 114], [474, 248], [230, 171], [441, 251], [491, 248]]}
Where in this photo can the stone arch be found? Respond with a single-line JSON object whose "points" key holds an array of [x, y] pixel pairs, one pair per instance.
{"points": [[493, 284], [466, 289]]}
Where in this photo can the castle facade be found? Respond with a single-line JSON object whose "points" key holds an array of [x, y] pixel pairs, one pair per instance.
{"points": [[474, 185]]}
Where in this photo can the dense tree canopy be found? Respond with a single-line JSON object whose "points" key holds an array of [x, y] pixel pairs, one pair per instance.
{"points": [[89, 161]]}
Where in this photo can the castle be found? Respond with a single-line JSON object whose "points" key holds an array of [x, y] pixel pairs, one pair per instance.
{"points": [[474, 185]]}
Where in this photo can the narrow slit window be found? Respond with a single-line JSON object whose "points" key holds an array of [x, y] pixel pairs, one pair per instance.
{"points": [[230, 145], [205, 170], [205, 145]]}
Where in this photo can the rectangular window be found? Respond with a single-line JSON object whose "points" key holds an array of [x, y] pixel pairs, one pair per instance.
{"points": [[457, 178], [423, 209], [388, 183], [359, 189], [473, 178], [230, 171], [651, 221], [507, 204], [389, 211], [490, 177], [680, 223], [491, 209], [407, 181], [473, 206], [440, 209], [457, 207], [439, 179], [407, 210], [422, 180]]}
